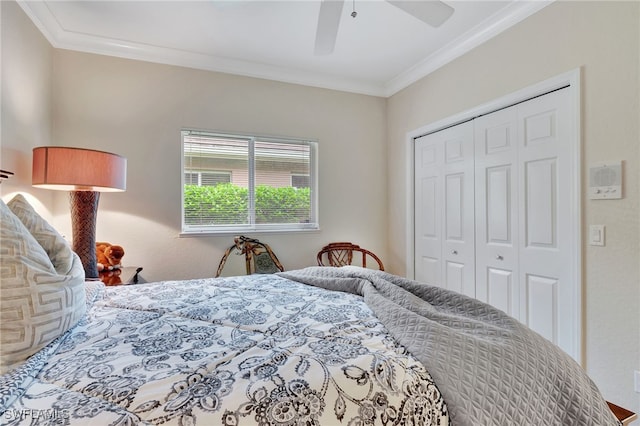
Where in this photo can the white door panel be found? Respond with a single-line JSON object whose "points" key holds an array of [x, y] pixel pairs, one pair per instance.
{"points": [[541, 204], [498, 195], [548, 244], [428, 229], [444, 240], [459, 240], [542, 306], [500, 289], [455, 276], [496, 210], [428, 270]]}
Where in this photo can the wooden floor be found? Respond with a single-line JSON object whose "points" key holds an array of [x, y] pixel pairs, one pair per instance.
{"points": [[622, 414]]}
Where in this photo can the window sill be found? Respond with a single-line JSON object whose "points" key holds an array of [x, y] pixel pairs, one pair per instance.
{"points": [[197, 234]]}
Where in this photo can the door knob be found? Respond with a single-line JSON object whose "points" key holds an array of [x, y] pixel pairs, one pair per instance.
{"points": [[454, 251], [499, 257]]}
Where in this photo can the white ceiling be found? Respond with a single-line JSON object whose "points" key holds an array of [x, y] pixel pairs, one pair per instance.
{"points": [[379, 52]]}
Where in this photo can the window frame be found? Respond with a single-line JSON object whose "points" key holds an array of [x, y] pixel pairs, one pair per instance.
{"points": [[313, 225]]}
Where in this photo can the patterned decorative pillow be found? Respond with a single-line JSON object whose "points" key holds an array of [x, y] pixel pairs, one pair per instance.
{"points": [[37, 304], [52, 242]]}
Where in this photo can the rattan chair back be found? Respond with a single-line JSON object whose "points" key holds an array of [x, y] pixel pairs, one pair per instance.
{"points": [[341, 254], [259, 258]]}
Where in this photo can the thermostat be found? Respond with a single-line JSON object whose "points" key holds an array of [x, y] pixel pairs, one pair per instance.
{"points": [[605, 180]]}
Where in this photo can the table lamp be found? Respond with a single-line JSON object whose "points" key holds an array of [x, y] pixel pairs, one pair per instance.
{"points": [[86, 173]]}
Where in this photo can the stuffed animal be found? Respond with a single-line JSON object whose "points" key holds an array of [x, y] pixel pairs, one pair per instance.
{"points": [[108, 256]]}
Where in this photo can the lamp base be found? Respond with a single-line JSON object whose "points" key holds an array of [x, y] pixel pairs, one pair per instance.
{"points": [[84, 212]]}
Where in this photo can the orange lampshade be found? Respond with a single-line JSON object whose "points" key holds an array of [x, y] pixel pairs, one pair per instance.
{"points": [[78, 169]]}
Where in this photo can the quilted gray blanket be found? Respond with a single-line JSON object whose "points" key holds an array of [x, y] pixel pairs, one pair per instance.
{"points": [[490, 368]]}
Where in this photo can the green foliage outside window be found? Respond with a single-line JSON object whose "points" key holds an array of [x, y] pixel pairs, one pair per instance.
{"points": [[227, 204], [282, 205]]}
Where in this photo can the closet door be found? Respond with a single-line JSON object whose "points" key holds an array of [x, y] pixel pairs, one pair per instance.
{"points": [[547, 243], [444, 209], [496, 202], [524, 198], [496, 162]]}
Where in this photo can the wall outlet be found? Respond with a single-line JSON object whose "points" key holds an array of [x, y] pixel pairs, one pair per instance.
{"points": [[636, 381]]}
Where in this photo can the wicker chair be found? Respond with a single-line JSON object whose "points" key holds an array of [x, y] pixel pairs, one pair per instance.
{"points": [[341, 254], [259, 257]]}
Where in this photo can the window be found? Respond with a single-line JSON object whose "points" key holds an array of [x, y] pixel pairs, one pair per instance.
{"points": [[206, 178], [237, 183], [300, 181]]}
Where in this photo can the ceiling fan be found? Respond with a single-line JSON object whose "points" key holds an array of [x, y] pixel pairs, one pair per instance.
{"points": [[432, 12]]}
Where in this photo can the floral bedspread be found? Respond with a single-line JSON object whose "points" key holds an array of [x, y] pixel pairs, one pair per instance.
{"points": [[233, 351]]}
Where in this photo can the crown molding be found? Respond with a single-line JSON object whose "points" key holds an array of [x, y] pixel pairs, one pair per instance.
{"points": [[496, 24], [60, 38]]}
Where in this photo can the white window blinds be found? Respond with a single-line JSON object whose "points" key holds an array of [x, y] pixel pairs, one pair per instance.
{"points": [[234, 182]]}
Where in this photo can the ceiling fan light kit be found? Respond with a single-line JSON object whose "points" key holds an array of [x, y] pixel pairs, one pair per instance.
{"points": [[431, 12]]}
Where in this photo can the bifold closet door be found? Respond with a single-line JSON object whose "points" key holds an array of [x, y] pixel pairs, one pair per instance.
{"points": [[444, 209], [495, 202], [525, 247], [496, 177]]}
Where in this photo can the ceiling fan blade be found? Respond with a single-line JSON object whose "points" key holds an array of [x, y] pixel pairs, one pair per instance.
{"points": [[432, 12], [328, 23]]}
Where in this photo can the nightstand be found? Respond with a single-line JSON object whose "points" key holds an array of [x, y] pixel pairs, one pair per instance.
{"points": [[625, 416], [124, 276], [131, 275]]}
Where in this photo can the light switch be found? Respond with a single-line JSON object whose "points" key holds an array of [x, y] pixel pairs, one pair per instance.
{"points": [[596, 235]]}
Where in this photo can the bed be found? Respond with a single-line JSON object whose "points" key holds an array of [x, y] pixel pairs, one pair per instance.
{"points": [[317, 346]]}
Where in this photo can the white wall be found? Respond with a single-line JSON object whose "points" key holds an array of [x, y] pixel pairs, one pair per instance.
{"points": [[137, 109], [25, 103], [603, 39]]}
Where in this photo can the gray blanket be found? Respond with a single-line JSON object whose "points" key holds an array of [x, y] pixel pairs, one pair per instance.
{"points": [[490, 368]]}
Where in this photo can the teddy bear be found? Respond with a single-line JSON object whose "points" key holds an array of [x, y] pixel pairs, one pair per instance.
{"points": [[108, 256]]}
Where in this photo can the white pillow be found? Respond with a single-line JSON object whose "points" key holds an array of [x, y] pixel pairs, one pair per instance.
{"points": [[52, 242], [37, 304]]}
